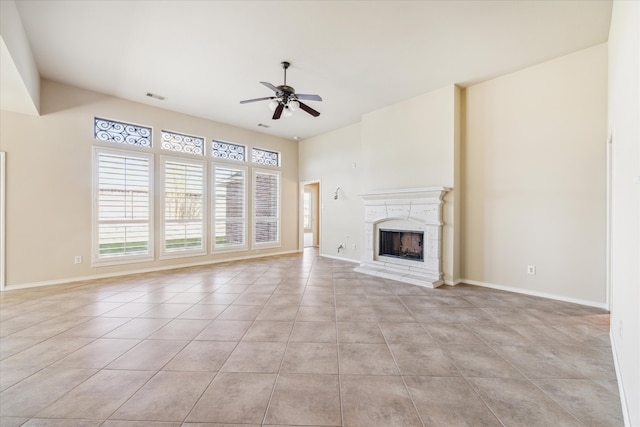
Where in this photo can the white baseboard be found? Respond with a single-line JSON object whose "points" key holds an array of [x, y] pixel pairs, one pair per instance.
{"points": [[602, 305], [143, 270], [623, 399]]}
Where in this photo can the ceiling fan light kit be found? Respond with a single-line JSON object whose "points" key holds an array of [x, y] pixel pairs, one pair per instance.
{"points": [[286, 101]]}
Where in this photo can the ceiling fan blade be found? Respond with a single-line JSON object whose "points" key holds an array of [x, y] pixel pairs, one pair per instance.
{"points": [[278, 112], [246, 101], [307, 97], [270, 86], [308, 109]]}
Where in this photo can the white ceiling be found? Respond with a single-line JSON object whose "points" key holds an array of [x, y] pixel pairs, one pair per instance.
{"points": [[206, 56]]}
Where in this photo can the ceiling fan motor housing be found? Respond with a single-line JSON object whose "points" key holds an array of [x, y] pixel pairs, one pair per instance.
{"points": [[286, 92]]}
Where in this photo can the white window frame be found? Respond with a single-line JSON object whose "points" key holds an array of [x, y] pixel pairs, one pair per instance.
{"points": [[230, 248], [164, 253], [95, 244], [3, 226], [254, 219]]}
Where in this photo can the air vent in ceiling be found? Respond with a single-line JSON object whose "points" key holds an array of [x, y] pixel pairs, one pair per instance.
{"points": [[153, 95]]}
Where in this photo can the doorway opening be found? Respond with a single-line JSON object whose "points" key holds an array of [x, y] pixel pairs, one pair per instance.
{"points": [[311, 214]]}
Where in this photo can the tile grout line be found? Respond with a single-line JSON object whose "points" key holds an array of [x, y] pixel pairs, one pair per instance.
{"points": [[402, 376]]}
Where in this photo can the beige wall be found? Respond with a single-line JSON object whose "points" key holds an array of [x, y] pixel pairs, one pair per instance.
{"points": [[525, 155], [535, 179], [624, 125], [49, 180]]}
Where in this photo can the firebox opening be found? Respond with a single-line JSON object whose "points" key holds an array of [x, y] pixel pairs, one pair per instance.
{"points": [[402, 244]]}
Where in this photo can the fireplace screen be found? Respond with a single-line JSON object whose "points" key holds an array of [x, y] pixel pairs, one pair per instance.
{"points": [[402, 244]]}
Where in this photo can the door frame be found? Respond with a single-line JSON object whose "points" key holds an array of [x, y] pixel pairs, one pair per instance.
{"points": [[3, 247]]}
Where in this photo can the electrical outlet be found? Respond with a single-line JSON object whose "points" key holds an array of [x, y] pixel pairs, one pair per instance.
{"points": [[531, 269], [77, 259]]}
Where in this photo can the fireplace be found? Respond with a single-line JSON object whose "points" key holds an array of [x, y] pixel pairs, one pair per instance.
{"points": [[401, 244], [403, 235]]}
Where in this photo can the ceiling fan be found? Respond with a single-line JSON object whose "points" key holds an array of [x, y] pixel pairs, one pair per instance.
{"points": [[286, 100]]}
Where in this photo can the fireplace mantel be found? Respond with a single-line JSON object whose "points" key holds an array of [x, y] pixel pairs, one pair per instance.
{"points": [[417, 209], [406, 193]]}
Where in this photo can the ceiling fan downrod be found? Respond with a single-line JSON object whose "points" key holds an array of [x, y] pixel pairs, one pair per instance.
{"points": [[285, 65]]}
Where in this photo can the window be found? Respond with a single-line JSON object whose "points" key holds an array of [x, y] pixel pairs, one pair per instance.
{"points": [[245, 200], [182, 143], [123, 206], [265, 157], [266, 209], [228, 151], [121, 133], [184, 204], [230, 219]]}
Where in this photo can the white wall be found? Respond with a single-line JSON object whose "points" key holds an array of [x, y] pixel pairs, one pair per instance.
{"points": [[414, 144], [49, 178], [535, 179], [410, 144], [624, 124], [334, 159], [20, 76]]}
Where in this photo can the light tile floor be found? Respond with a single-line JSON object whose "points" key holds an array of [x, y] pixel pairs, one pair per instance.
{"points": [[299, 340]]}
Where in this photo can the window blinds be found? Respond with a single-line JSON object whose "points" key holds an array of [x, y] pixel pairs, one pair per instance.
{"points": [[183, 206], [266, 207], [230, 206], [123, 204]]}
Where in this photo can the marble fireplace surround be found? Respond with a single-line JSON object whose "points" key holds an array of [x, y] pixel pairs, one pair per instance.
{"points": [[413, 209]]}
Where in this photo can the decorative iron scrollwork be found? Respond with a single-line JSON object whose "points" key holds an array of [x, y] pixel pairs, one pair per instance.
{"points": [[182, 143], [265, 157], [228, 151], [122, 133]]}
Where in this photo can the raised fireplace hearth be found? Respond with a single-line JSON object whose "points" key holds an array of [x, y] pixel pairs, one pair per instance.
{"points": [[403, 235]]}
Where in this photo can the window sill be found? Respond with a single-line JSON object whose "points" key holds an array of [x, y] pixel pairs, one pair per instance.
{"points": [[106, 262]]}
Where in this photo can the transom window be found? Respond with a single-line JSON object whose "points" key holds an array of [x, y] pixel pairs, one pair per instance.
{"points": [[265, 157], [228, 151], [121, 132], [182, 143]]}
